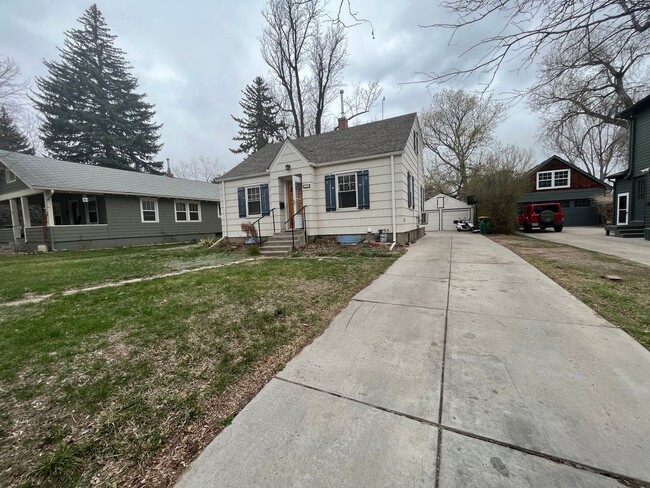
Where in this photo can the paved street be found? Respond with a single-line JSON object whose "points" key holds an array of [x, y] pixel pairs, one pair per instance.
{"points": [[462, 366]]}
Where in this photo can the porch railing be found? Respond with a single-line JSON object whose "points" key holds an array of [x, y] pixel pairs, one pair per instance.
{"points": [[304, 225], [259, 227]]}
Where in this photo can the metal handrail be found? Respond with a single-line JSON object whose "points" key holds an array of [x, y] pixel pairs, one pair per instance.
{"points": [[259, 229], [304, 225]]}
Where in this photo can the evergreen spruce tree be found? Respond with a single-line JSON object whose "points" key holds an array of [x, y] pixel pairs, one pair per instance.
{"points": [[11, 138], [90, 109], [259, 125]]}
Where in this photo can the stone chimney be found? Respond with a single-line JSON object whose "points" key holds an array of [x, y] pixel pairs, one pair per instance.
{"points": [[343, 123]]}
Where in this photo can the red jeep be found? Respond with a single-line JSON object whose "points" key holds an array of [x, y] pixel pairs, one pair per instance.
{"points": [[540, 216]]}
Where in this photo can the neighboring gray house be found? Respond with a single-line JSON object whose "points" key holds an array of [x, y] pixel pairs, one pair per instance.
{"points": [[346, 182], [71, 206]]}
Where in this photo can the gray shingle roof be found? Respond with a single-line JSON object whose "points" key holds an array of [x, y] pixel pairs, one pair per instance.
{"points": [[381, 137], [52, 174]]}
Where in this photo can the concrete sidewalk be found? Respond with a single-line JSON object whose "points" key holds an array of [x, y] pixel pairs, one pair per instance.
{"points": [[462, 366]]}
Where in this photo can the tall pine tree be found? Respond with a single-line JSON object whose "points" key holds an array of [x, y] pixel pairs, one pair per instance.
{"points": [[90, 109], [11, 138], [259, 125]]}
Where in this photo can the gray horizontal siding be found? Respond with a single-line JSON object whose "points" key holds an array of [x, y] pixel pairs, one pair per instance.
{"points": [[6, 235], [10, 187], [124, 219]]}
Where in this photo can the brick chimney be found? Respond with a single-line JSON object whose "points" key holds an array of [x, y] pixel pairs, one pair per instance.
{"points": [[343, 123]]}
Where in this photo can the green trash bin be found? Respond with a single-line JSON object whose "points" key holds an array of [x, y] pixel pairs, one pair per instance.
{"points": [[485, 224]]}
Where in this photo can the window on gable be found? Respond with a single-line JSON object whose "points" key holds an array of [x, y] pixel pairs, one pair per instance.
{"points": [[416, 142], [553, 179], [253, 200], [10, 176], [149, 207], [187, 211], [347, 190]]}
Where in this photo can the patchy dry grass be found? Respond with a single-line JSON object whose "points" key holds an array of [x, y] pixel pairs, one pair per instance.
{"points": [[624, 303], [26, 275], [124, 386]]}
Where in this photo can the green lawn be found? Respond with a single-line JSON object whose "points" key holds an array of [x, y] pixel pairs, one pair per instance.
{"points": [[28, 274], [122, 386]]}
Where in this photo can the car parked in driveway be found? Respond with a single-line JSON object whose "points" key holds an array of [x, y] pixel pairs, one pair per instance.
{"points": [[540, 216]]}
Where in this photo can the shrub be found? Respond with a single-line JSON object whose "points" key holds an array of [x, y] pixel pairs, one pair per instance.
{"points": [[249, 229]]}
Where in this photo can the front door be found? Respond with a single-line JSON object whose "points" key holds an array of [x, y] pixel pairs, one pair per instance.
{"points": [[622, 207], [290, 204]]}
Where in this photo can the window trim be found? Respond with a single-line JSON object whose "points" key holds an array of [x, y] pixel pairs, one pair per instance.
{"points": [[553, 173], [356, 189], [156, 210], [187, 211], [10, 176]]}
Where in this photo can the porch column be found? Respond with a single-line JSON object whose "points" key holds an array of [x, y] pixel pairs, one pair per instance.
{"points": [[49, 208], [27, 219], [15, 221]]}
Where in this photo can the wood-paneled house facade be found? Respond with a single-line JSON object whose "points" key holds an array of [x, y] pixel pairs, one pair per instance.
{"points": [[68, 205]]}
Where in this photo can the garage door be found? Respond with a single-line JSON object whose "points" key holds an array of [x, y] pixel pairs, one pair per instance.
{"points": [[448, 217], [433, 221]]}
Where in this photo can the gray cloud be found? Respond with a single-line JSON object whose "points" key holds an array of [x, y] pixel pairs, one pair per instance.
{"points": [[193, 58]]}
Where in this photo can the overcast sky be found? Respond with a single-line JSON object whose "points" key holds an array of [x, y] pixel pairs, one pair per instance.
{"points": [[193, 57]]}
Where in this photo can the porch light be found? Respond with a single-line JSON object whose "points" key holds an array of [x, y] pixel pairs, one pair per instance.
{"points": [[84, 199], [287, 167]]}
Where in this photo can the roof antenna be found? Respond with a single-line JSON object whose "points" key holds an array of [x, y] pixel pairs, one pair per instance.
{"points": [[382, 107], [342, 111]]}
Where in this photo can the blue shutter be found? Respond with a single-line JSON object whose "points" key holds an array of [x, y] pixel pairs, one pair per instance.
{"points": [[408, 189], [363, 189], [241, 199], [330, 193], [264, 197]]}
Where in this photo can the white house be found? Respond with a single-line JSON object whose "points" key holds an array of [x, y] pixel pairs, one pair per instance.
{"points": [[346, 182], [442, 210]]}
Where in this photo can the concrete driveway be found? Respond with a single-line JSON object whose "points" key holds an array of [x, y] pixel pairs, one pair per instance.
{"points": [[594, 239], [462, 366]]}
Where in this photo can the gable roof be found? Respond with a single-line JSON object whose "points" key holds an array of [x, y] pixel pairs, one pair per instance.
{"points": [[572, 166], [51, 174], [374, 138]]}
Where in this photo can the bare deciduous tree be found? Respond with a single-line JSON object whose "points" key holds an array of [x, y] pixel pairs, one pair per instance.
{"points": [[499, 183], [595, 146], [12, 88], [456, 127], [285, 47], [527, 28], [362, 99], [201, 168]]}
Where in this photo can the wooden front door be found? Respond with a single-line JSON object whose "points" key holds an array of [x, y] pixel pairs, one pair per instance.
{"points": [[290, 207]]}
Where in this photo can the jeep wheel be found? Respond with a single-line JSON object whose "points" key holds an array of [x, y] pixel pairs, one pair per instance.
{"points": [[558, 228], [546, 217]]}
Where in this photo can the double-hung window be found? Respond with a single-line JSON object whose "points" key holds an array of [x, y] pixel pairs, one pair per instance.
{"points": [[253, 200], [149, 209], [553, 179], [187, 211], [347, 190]]}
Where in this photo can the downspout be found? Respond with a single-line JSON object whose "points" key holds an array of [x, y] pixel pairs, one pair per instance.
{"points": [[224, 219], [392, 191]]}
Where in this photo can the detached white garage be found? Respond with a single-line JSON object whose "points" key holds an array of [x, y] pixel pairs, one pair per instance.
{"points": [[442, 210]]}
